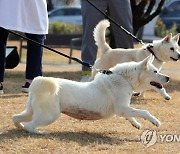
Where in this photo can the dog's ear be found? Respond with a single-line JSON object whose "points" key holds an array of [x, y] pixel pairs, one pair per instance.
{"points": [[167, 38], [176, 38], [146, 61]]}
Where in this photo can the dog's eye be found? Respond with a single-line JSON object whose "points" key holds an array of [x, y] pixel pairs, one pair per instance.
{"points": [[172, 49], [155, 72]]}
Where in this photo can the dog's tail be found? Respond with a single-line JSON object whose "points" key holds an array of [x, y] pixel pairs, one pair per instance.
{"points": [[44, 85], [99, 35]]}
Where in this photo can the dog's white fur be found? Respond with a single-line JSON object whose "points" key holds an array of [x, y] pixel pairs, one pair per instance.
{"points": [[165, 50], [105, 96]]}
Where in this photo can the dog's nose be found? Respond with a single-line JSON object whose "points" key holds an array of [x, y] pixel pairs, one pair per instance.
{"points": [[179, 56], [167, 78]]}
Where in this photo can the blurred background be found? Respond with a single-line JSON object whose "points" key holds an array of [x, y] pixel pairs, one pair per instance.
{"points": [[151, 18]]}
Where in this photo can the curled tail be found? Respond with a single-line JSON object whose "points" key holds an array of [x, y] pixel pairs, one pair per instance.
{"points": [[44, 85], [99, 35]]}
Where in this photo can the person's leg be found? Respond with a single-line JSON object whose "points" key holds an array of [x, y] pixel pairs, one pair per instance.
{"points": [[120, 11], [91, 17], [34, 58], [3, 41]]}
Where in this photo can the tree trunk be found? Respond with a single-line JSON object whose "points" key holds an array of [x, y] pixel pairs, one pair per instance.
{"points": [[141, 15]]}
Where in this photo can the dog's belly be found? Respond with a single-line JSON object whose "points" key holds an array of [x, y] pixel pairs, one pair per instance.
{"points": [[83, 114]]}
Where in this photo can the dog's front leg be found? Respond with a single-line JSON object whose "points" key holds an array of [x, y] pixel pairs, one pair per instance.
{"points": [[163, 93], [131, 112]]}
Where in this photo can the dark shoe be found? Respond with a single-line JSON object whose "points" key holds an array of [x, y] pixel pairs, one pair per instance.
{"points": [[1, 88], [25, 88]]}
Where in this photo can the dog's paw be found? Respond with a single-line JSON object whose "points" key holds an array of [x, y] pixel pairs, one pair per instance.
{"points": [[136, 94], [156, 122], [134, 123], [137, 125], [19, 125], [32, 130], [167, 97]]}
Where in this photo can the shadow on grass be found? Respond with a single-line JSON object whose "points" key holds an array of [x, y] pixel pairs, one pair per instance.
{"points": [[83, 138], [11, 96]]}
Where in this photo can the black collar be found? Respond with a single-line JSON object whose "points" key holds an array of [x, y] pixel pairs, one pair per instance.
{"points": [[150, 49], [107, 72]]}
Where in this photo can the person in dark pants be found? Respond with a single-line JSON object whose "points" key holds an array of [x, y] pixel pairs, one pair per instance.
{"points": [[118, 10], [31, 19], [33, 59]]}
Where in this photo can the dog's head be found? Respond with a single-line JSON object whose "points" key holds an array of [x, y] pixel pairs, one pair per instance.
{"points": [[150, 76], [167, 49]]}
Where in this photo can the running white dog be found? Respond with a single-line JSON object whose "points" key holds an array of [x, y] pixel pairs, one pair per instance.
{"points": [[164, 50], [105, 96]]}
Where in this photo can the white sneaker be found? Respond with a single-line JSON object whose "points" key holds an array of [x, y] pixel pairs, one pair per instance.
{"points": [[25, 88], [1, 92], [85, 78]]}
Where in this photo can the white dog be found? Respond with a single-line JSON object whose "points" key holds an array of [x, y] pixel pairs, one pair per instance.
{"points": [[164, 50], [105, 96]]}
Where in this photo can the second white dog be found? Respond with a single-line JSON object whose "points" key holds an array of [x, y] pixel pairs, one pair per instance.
{"points": [[105, 96], [164, 50]]}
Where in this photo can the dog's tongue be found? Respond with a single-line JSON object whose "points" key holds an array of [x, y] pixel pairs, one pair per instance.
{"points": [[156, 84]]}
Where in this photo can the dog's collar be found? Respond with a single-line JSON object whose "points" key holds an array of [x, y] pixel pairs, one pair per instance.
{"points": [[107, 72], [150, 49]]}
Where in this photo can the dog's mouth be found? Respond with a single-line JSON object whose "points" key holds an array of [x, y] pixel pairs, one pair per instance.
{"points": [[174, 59], [156, 84]]}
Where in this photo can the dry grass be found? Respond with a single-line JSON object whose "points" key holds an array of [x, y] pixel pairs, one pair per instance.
{"points": [[68, 135]]}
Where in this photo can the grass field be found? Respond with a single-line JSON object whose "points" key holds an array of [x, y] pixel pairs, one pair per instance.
{"points": [[68, 135]]}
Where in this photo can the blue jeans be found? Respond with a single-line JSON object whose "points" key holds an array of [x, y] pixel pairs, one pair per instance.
{"points": [[33, 59]]}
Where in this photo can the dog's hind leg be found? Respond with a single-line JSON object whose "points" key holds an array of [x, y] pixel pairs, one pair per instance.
{"points": [[41, 120], [42, 117], [25, 116], [31, 127], [131, 112], [134, 122]]}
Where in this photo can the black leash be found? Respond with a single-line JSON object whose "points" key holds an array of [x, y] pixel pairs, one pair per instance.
{"points": [[51, 49], [121, 27], [56, 51], [150, 49]]}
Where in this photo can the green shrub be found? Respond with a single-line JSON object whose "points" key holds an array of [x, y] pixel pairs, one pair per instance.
{"points": [[161, 30], [56, 28], [64, 28]]}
